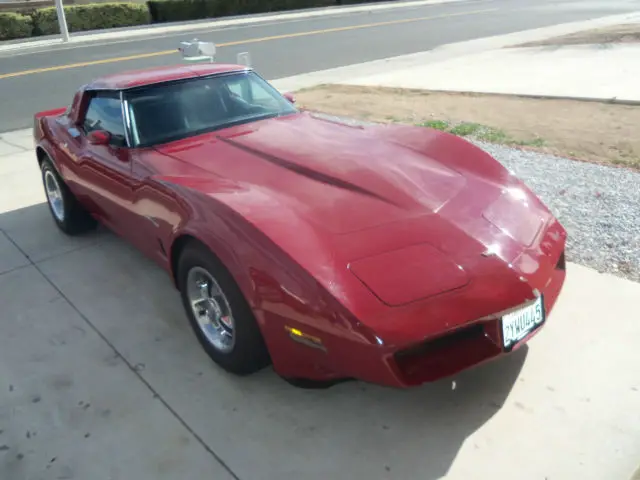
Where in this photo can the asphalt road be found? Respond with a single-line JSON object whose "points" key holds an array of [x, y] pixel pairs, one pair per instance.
{"points": [[35, 81]]}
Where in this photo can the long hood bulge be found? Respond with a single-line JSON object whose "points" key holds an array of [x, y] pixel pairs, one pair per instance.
{"points": [[345, 177]]}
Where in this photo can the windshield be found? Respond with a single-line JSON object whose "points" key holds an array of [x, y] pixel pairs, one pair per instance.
{"points": [[167, 112]]}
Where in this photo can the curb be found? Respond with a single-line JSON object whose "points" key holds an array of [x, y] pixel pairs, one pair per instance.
{"points": [[612, 101]]}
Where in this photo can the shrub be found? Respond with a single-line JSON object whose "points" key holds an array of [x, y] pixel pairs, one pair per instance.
{"points": [[181, 10], [14, 25], [92, 16]]}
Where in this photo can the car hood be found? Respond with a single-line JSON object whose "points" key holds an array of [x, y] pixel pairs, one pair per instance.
{"points": [[341, 177], [391, 203]]}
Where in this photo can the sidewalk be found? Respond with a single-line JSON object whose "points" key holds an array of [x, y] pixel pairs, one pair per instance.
{"points": [[585, 72], [100, 377], [494, 65]]}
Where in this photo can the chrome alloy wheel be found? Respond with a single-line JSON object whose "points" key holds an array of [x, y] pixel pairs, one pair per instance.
{"points": [[54, 195], [211, 309]]}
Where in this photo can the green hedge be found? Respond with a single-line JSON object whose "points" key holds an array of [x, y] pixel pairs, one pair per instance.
{"points": [[14, 25], [182, 10], [98, 16], [92, 16]]}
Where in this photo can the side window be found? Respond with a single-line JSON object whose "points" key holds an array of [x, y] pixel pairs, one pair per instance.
{"points": [[260, 95], [251, 91], [104, 113], [236, 87]]}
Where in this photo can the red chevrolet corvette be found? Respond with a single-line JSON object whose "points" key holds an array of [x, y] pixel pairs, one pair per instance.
{"points": [[330, 249]]}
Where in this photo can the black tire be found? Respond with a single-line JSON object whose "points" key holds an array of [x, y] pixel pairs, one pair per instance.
{"points": [[75, 219], [249, 353]]}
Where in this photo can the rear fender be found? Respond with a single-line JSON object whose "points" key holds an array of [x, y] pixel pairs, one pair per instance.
{"points": [[51, 113], [45, 147], [40, 119]]}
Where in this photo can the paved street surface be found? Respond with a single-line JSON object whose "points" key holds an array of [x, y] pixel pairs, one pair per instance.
{"points": [[301, 46]]}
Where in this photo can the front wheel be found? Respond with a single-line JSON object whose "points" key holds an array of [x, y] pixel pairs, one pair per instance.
{"points": [[218, 312]]}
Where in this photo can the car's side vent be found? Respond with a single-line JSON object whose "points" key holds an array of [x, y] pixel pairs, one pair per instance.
{"points": [[561, 265]]}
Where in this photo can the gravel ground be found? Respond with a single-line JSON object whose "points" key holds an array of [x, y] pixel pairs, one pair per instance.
{"points": [[598, 205]]}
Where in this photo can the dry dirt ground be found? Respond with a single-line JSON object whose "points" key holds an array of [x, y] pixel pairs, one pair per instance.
{"points": [[582, 130], [627, 33]]}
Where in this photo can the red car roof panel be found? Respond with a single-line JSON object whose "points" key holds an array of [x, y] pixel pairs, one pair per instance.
{"points": [[148, 76]]}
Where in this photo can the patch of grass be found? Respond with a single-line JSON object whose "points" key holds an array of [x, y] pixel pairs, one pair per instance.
{"points": [[481, 132], [493, 135], [597, 132], [437, 124], [536, 142], [465, 129], [627, 162]]}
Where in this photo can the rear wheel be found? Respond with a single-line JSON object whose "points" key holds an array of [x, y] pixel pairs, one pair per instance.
{"points": [[220, 316], [65, 209]]}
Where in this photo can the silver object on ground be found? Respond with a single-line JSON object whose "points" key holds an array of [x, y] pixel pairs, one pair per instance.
{"points": [[197, 51]]}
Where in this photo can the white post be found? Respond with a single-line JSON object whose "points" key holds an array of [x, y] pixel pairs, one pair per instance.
{"points": [[244, 59], [62, 21]]}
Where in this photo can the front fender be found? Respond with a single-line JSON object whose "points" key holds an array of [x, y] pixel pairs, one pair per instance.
{"points": [[447, 148], [257, 238], [275, 258]]}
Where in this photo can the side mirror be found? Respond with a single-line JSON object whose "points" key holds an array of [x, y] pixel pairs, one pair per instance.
{"points": [[290, 96], [99, 137]]}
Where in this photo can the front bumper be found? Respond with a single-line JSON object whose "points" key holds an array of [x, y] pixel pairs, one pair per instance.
{"points": [[437, 357]]}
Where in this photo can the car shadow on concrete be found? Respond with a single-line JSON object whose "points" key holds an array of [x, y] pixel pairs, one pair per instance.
{"points": [[260, 426]]}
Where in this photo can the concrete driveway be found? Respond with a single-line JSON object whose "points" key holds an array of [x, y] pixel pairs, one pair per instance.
{"points": [[101, 378]]}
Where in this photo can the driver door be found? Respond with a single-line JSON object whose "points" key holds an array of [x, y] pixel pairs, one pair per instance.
{"points": [[105, 169]]}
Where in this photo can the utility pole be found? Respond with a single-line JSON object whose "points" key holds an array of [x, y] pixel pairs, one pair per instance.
{"points": [[62, 21]]}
